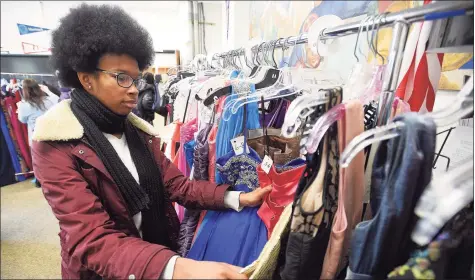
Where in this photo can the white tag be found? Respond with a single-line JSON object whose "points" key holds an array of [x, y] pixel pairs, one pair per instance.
{"points": [[238, 145], [266, 164]]}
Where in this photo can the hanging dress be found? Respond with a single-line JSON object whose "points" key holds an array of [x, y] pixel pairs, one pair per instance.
{"points": [[284, 181], [228, 130], [232, 237], [200, 172], [19, 129], [14, 156]]}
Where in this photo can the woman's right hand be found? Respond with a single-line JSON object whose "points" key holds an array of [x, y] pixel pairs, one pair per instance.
{"points": [[191, 269]]}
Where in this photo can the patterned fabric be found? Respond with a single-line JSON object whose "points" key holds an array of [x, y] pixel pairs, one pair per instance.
{"points": [[314, 207], [201, 153], [233, 237], [434, 261], [228, 236], [231, 128]]}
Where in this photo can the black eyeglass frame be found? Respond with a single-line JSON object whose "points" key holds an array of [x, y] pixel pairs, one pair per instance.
{"points": [[117, 74]]}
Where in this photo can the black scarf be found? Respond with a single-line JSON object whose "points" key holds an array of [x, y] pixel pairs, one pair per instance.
{"points": [[149, 197]]}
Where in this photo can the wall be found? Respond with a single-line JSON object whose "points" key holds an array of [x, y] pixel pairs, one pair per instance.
{"points": [[166, 21], [214, 25]]}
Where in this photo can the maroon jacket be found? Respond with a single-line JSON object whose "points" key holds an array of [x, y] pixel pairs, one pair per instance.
{"points": [[97, 233]]}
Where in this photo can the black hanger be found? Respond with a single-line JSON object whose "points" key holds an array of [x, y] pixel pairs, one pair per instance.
{"points": [[271, 75], [256, 58], [184, 74]]}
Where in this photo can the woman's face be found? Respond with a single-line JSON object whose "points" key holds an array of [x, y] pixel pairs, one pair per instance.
{"points": [[105, 88]]}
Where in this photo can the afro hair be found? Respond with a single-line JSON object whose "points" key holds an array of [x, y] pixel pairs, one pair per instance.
{"points": [[90, 31]]}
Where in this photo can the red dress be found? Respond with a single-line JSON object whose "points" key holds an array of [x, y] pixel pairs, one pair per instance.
{"points": [[284, 181], [19, 129]]}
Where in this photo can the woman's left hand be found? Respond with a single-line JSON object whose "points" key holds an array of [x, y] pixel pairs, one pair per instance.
{"points": [[254, 198]]}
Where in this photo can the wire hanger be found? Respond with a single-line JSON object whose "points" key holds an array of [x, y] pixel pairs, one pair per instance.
{"points": [[462, 106]]}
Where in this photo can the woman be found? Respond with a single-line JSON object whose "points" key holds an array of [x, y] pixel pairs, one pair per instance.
{"points": [[35, 103], [146, 99], [101, 168]]}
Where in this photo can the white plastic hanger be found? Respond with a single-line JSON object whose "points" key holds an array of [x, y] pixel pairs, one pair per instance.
{"points": [[462, 106], [337, 112], [446, 195]]}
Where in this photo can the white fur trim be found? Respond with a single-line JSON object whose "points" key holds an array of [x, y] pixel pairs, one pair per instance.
{"points": [[60, 124]]}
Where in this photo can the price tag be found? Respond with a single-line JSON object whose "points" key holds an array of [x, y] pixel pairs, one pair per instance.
{"points": [[266, 164], [238, 145]]}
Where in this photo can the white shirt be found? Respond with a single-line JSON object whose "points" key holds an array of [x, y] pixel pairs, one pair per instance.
{"points": [[231, 198]]}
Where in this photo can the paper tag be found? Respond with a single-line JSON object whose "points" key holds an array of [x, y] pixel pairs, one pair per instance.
{"points": [[266, 164], [238, 145]]}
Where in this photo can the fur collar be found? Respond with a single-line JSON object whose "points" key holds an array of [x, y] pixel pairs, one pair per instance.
{"points": [[60, 124]]}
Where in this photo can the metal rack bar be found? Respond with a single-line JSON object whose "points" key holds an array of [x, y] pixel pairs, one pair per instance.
{"points": [[27, 74], [396, 51], [400, 21], [432, 11]]}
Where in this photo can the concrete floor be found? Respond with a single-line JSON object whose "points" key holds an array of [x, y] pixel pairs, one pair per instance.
{"points": [[29, 234]]}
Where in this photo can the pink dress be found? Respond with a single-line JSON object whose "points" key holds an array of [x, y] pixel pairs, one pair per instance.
{"points": [[186, 134], [212, 141], [350, 193]]}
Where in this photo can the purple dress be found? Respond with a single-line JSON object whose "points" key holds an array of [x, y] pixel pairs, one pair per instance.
{"points": [[276, 113]]}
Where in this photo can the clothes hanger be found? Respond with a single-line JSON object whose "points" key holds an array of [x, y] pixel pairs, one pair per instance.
{"points": [[213, 89], [283, 82], [264, 77], [460, 108], [361, 72], [442, 199], [374, 88], [338, 112], [255, 61]]}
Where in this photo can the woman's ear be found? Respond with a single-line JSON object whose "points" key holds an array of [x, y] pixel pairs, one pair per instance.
{"points": [[86, 80]]}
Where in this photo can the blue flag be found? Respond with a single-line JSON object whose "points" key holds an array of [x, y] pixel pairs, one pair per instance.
{"points": [[27, 29]]}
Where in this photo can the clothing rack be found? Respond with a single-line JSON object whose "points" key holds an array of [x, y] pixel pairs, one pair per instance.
{"points": [[27, 74], [400, 21]]}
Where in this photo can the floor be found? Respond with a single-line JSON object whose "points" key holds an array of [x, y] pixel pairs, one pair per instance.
{"points": [[29, 232], [30, 243]]}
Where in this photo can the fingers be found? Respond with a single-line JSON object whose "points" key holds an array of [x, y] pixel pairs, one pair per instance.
{"points": [[235, 275], [234, 268], [233, 272], [267, 189]]}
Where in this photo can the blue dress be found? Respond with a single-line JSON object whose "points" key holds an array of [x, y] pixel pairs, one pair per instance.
{"points": [[228, 236], [11, 146], [189, 148], [231, 128]]}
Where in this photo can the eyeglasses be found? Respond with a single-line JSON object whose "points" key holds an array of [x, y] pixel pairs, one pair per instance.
{"points": [[124, 80]]}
